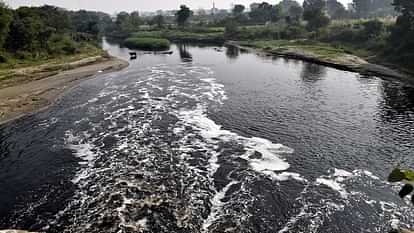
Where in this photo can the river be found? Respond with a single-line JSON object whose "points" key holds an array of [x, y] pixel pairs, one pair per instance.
{"points": [[212, 139]]}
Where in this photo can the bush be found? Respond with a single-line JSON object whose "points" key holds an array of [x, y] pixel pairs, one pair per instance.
{"points": [[62, 45], [23, 55], [373, 28], [293, 32], [3, 58], [231, 28], [147, 43], [147, 34]]}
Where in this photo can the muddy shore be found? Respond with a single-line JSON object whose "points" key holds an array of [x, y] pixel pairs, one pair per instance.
{"points": [[22, 97], [346, 62]]}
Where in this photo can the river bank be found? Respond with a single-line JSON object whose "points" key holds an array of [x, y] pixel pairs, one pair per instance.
{"points": [[326, 56], [343, 57], [31, 89]]}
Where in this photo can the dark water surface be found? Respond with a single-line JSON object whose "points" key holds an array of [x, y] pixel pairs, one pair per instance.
{"points": [[211, 140]]}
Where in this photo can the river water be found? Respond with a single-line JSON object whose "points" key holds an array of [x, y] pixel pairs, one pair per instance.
{"points": [[212, 139]]}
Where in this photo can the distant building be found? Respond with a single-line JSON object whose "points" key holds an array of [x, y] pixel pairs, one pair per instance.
{"points": [[214, 10]]}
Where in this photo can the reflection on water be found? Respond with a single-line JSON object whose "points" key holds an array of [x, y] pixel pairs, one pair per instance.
{"points": [[185, 55], [312, 72], [399, 98], [232, 52]]}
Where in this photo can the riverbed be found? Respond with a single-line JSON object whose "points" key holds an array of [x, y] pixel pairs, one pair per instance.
{"points": [[211, 139]]}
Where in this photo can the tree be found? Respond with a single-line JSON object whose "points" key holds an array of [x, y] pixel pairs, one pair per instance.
{"points": [[314, 5], [314, 14], [265, 12], [183, 15], [23, 34], [362, 8], [401, 39], [231, 28], [295, 14], [158, 20], [335, 9], [287, 4], [5, 20], [238, 9], [135, 20]]}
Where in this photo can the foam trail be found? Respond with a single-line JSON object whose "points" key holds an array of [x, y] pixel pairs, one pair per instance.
{"points": [[217, 206]]}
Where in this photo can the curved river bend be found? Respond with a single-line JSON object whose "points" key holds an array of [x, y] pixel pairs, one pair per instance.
{"points": [[211, 140]]}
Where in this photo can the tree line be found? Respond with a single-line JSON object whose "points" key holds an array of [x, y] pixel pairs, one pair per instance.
{"points": [[47, 31]]}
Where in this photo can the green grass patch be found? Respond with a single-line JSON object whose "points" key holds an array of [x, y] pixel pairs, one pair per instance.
{"points": [[320, 49], [147, 43], [212, 35]]}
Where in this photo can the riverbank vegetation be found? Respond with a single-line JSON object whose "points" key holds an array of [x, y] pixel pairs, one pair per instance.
{"points": [[147, 43], [380, 31], [36, 35]]}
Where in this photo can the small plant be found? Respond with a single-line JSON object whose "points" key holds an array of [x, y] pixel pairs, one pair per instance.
{"points": [[407, 176]]}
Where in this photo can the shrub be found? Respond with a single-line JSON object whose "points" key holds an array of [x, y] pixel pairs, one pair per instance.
{"points": [[23, 55], [3, 58], [148, 34], [147, 43], [293, 32], [62, 45], [373, 28], [231, 28]]}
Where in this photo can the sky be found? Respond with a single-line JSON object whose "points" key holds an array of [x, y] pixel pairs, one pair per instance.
{"points": [[113, 6]]}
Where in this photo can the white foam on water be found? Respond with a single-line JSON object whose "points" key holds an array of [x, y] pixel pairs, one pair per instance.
{"points": [[82, 150], [271, 152], [285, 176], [217, 206], [333, 185]]}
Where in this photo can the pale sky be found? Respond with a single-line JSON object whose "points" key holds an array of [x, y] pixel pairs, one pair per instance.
{"points": [[112, 6]]}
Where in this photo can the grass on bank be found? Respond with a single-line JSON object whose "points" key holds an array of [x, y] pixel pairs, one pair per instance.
{"points": [[183, 36], [83, 51], [322, 50], [44, 65], [147, 43]]}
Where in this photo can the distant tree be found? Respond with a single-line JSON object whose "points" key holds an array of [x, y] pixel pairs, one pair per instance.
{"points": [[135, 20], [314, 14], [231, 28], [335, 9], [381, 8], [183, 15], [127, 23], [401, 39], [158, 20], [23, 34], [362, 8], [295, 14], [54, 17], [314, 5], [6, 18], [287, 4], [238, 9], [265, 12], [85, 22], [276, 13], [406, 8]]}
